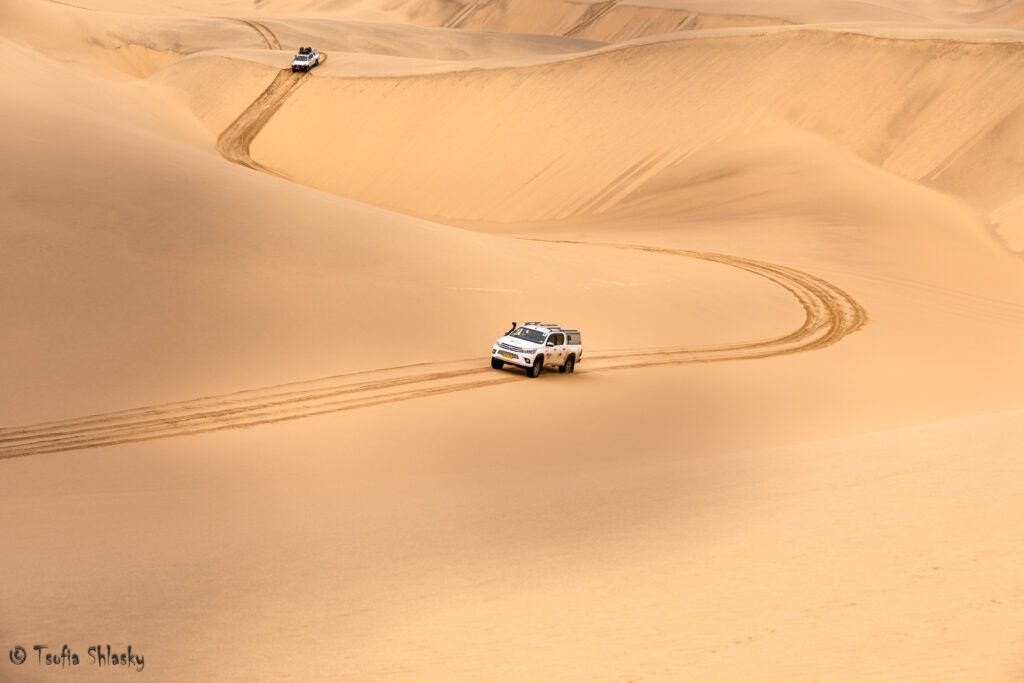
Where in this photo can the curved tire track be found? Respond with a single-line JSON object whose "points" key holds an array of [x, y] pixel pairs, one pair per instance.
{"points": [[234, 141], [265, 34], [830, 315], [591, 16], [459, 18]]}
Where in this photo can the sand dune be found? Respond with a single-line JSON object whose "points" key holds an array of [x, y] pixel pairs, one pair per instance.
{"points": [[618, 20], [248, 425], [888, 109], [253, 260], [607, 20], [141, 44], [830, 315]]}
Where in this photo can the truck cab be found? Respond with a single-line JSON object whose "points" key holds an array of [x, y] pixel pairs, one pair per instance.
{"points": [[534, 346], [306, 59]]}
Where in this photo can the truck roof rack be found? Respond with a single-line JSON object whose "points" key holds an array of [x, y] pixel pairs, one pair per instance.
{"points": [[552, 326]]}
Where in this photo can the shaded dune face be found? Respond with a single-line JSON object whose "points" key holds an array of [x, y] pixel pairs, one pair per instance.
{"points": [[610, 20], [618, 20], [607, 20]]}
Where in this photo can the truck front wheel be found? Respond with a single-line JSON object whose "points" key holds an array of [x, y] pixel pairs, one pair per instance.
{"points": [[497, 364], [538, 365]]}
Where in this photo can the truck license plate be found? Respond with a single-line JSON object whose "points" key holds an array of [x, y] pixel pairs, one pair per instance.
{"points": [[506, 354]]}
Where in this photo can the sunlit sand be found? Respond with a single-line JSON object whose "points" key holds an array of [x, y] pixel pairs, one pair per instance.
{"points": [[247, 421]]}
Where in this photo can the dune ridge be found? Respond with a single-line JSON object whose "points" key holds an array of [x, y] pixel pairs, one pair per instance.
{"points": [[917, 131]]}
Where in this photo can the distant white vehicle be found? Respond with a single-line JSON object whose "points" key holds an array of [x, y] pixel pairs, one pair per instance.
{"points": [[307, 58], [535, 346]]}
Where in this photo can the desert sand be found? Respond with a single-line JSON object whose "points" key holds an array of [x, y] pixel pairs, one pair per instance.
{"points": [[247, 422]]}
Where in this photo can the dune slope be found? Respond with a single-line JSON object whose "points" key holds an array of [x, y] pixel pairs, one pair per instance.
{"points": [[896, 103]]}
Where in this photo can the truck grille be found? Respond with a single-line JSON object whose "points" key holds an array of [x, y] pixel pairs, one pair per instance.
{"points": [[509, 347]]}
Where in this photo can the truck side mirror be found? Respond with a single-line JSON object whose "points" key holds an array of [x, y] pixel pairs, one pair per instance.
{"points": [[551, 343]]}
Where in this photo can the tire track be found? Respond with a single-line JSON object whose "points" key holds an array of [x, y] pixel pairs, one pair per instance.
{"points": [[462, 15], [591, 16], [265, 34], [830, 315], [234, 141]]}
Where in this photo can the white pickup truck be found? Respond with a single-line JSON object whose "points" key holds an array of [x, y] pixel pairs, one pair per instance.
{"points": [[307, 58], [535, 346]]}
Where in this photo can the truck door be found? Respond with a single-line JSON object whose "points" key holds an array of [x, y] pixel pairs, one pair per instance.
{"points": [[556, 355]]}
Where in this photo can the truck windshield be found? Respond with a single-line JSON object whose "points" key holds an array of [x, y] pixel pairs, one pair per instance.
{"points": [[529, 335]]}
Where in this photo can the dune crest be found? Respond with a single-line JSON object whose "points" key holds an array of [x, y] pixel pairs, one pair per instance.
{"points": [[536, 121]]}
